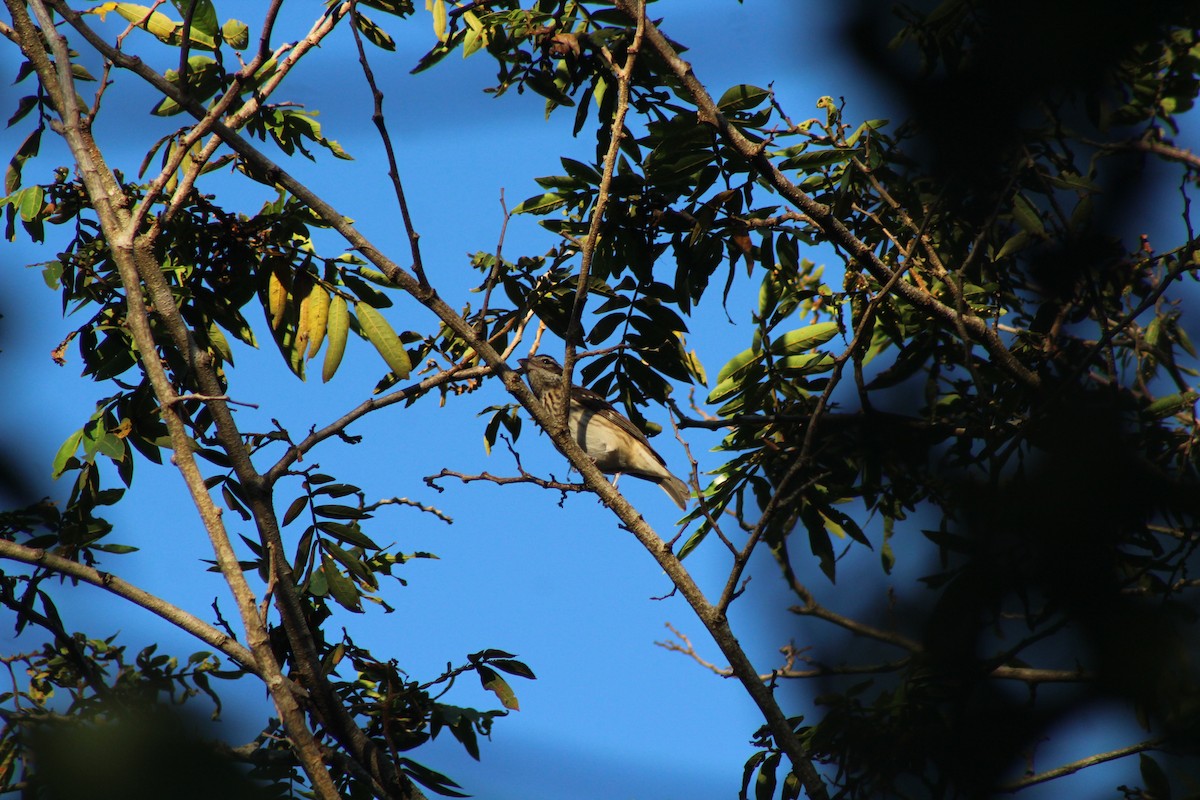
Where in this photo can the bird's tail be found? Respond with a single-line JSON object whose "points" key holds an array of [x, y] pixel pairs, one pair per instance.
{"points": [[676, 489]]}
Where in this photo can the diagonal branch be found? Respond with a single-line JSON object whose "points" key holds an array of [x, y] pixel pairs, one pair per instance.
{"points": [[393, 170], [1083, 763], [152, 603]]}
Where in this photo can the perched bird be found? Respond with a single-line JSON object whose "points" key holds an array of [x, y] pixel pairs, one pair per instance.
{"points": [[611, 440]]}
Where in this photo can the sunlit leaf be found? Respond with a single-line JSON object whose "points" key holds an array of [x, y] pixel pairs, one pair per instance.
{"points": [[339, 329], [494, 683], [380, 333]]}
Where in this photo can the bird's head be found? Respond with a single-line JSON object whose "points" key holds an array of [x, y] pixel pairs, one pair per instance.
{"points": [[540, 363]]}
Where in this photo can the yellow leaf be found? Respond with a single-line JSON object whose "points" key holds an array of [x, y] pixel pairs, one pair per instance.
{"points": [[318, 319], [160, 25], [276, 299], [439, 20], [302, 291], [504, 693]]}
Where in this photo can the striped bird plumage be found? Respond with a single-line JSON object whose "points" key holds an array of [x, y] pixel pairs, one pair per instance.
{"points": [[606, 435]]}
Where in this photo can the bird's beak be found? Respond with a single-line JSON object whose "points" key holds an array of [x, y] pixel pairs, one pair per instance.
{"points": [[522, 362]]}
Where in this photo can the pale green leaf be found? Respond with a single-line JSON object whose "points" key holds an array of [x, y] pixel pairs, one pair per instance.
{"points": [[380, 333]]}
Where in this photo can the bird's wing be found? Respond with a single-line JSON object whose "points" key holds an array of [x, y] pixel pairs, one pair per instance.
{"points": [[595, 403]]}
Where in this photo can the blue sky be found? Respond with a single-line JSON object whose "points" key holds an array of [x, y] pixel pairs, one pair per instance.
{"points": [[611, 715]]}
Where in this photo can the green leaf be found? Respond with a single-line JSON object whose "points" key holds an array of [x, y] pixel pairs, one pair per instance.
{"points": [[439, 52], [335, 511], [65, 453], [219, 343], [338, 330], [742, 97], [29, 202], [236, 34], [807, 364], [476, 37], [24, 106], [28, 149], [380, 333], [347, 533], [544, 84], [204, 79], [802, 340], [1015, 244], [115, 549], [351, 562], [204, 17], [513, 668], [1027, 217], [294, 509], [430, 779], [342, 588], [816, 159], [764, 785], [1158, 786], [375, 34], [738, 363], [366, 292], [1171, 404], [541, 204]]}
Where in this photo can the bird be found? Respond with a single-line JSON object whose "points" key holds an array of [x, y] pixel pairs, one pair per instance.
{"points": [[608, 437]]}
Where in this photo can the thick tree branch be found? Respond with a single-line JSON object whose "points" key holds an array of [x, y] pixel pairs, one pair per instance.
{"points": [[131, 260], [337, 720]]}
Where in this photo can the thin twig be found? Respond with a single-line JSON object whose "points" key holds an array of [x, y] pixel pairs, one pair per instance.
{"points": [[393, 169], [616, 131], [1083, 763], [404, 501]]}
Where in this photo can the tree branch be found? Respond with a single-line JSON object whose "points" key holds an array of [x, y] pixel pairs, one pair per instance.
{"points": [[134, 263], [1083, 763], [393, 170], [152, 603]]}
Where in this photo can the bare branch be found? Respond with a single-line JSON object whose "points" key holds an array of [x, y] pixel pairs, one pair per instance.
{"points": [[335, 428], [404, 501], [1083, 763], [393, 169], [431, 481]]}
